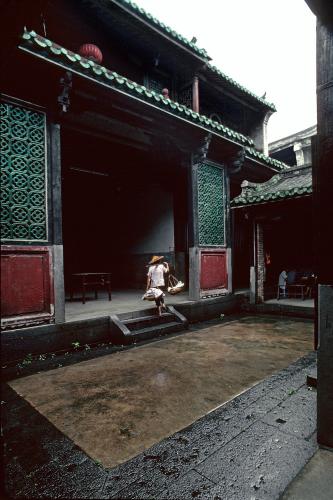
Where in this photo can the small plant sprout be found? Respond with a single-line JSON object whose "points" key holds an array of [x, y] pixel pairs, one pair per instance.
{"points": [[76, 344], [27, 360]]}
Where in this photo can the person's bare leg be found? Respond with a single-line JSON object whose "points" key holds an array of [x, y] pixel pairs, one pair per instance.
{"points": [[163, 306]]}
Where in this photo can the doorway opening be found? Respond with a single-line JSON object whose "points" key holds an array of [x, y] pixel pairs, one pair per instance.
{"points": [[119, 208]]}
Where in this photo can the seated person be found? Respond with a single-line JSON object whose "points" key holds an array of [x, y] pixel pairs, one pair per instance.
{"points": [[292, 275], [283, 284], [310, 281]]}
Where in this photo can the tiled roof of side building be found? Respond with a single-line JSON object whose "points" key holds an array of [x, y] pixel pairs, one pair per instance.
{"points": [[47, 49], [201, 52], [294, 182]]}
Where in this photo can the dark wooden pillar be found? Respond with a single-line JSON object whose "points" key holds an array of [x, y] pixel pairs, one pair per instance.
{"points": [[195, 94], [323, 196], [193, 238], [180, 207], [56, 222]]}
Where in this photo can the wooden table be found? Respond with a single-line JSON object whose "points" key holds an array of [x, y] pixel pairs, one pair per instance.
{"points": [[297, 290], [91, 281]]}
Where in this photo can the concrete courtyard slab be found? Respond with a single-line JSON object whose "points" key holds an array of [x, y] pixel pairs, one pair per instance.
{"points": [[116, 406]]}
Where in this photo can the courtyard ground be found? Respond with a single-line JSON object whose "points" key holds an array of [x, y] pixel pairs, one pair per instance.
{"points": [[162, 404]]}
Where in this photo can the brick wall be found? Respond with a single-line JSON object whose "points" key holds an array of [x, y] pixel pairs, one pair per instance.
{"points": [[260, 261]]}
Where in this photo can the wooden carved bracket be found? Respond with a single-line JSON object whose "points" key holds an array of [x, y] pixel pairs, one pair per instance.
{"points": [[66, 84], [237, 162], [201, 154]]}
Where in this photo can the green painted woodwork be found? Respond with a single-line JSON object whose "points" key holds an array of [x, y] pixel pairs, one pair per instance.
{"points": [[23, 173], [211, 205]]}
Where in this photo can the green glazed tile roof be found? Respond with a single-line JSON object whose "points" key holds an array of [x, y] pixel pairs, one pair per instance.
{"points": [[296, 181], [202, 52], [227, 78], [57, 54], [72, 61], [169, 31]]}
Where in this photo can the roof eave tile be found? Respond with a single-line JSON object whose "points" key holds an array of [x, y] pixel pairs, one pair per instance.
{"points": [[243, 89], [258, 198], [37, 43], [192, 46], [166, 29]]}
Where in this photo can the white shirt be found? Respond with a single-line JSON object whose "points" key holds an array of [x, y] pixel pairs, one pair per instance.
{"points": [[156, 275]]}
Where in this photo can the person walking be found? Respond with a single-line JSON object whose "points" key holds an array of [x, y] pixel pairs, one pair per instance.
{"points": [[156, 280]]}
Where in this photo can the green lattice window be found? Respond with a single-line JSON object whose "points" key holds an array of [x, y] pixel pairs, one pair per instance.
{"points": [[211, 205], [23, 174]]}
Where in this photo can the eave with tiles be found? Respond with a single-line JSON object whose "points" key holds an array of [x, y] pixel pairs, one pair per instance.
{"points": [[54, 53], [292, 183]]}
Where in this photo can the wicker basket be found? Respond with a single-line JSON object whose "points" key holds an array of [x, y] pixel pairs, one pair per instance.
{"points": [[175, 286], [149, 295]]}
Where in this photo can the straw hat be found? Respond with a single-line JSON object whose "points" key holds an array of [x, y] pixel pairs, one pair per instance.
{"points": [[156, 259]]}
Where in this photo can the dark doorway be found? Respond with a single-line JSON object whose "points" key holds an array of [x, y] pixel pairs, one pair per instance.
{"points": [[288, 243], [118, 210]]}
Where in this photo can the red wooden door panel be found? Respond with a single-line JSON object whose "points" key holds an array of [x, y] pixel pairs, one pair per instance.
{"points": [[25, 281], [213, 270]]}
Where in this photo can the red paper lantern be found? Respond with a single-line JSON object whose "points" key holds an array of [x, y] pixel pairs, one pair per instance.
{"points": [[92, 52], [165, 93]]}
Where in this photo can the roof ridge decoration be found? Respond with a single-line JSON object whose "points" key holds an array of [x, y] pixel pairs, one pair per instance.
{"points": [[38, 45], [202, 52], [258, 193], [174, 34]]}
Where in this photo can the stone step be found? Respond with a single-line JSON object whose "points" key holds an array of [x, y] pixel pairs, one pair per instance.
{"points": [[157, 330], [145, 321]]}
